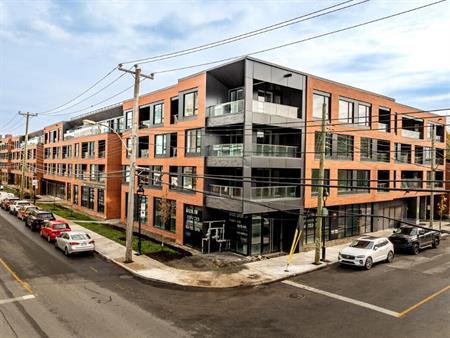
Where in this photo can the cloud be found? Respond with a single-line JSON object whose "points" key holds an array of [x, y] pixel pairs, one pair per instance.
{"points": [[52, 50]]}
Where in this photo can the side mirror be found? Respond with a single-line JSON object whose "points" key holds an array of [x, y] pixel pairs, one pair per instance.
{"points": [[375, 248]]}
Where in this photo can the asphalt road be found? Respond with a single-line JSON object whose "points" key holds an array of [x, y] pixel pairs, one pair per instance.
{"points": [[89, 297]]}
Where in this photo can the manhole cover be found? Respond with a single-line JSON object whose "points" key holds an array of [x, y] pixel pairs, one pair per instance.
{"points": [[296, 296]]}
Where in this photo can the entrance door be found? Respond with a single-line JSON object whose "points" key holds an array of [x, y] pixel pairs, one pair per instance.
{"points": [[271, 236]]}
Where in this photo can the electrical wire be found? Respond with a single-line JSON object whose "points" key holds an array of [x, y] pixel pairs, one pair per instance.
{"points": [[302, 40], [239, 37]]}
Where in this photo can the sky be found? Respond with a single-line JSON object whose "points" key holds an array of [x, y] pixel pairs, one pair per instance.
{"points": [[51, 51]]}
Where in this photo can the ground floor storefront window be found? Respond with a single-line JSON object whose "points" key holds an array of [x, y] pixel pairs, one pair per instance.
{"points": [[342, 221], [260, 234], [165, 206], [193, 226]]}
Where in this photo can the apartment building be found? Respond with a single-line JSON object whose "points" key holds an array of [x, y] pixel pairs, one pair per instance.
{"points": [[223, 150], [234, 149], [5, 158], [228, 159], [373, 144], [82, 162], [16, 153]]}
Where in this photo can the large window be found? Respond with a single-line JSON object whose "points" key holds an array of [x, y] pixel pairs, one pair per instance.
{"points": [[126, 173], [315, 181], [363, 118], [346, 111], [128, 119], [189, 179], [345, 147], [194, 141], [190, 104], [169, 208], [318, 101], [158, 113], [155, 175], [328, 145], [353, 181], [101, 200], [161, 145]]}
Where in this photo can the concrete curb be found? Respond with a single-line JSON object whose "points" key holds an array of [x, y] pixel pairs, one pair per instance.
{"points": [[204, 287]]}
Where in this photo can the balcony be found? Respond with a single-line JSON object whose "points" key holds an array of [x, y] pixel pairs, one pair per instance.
{"points": [[273, 192], [411, 134], [384, 127], [145, 124], [275, 109], [143, 153], [89, 130], [274, 150], [226, 191], [411, 183], [226, 150], [234, 107]]}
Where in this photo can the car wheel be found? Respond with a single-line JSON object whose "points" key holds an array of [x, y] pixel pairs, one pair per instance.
{"points": [[390, 257], [369, 263], [49, 239], [415, 249], [435, 242], [66, 251], [56, 245]]}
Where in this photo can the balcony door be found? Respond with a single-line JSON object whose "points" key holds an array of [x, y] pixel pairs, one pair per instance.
{"points": [[236, 94]]}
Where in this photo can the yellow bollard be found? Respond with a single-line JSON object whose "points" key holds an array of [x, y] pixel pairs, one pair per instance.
{"points": [[297, 236]]}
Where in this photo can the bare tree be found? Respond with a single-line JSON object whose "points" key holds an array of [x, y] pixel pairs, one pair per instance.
{"points": [[165, 209], [442, 207]]}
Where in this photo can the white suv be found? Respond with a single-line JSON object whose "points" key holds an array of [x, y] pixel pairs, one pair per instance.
{"points": [[366, 251]]}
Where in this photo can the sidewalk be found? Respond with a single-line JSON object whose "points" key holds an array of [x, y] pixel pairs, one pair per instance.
{"points": [[247, 274]]}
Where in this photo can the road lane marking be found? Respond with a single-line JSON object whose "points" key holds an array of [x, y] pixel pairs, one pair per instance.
{"points": [[17, 299], [342, 298], [438, 269], [25, 285], [423, 301], [93, 269]]}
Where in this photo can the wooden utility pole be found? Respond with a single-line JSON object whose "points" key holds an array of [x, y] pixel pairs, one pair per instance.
{"points": [[319, 214], [131, 186], [25, 151], [433, 171]]}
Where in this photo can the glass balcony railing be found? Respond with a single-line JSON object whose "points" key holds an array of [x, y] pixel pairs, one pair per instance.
{"points": [[274, 150], [411, 133], [234, 107], [273, 192], [226, 191], [144, 124], [383, 157], [144, 153], [383, 185], [226, 150], [383, 126], [411, 183], [275, 109]]}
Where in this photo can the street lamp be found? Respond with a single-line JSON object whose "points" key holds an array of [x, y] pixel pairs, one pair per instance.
{"points": [[140, 192], [324, 214]]}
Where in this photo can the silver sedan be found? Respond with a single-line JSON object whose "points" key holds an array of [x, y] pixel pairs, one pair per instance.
{"points": [[75, 242]]}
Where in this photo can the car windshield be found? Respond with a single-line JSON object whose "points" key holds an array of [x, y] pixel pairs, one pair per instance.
{"points": [[360, 244], [80, 236], [60, 226], [46, 216], [405, 231]]}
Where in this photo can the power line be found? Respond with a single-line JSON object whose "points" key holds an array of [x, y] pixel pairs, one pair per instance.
{"points": [[303, 40], [259, 31], [82, 93]]}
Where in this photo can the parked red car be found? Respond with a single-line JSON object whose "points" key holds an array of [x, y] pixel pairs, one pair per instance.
{"points": [[51, 229]]}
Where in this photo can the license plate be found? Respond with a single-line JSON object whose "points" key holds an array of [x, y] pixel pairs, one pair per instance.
{"points": [[84, 244]]}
